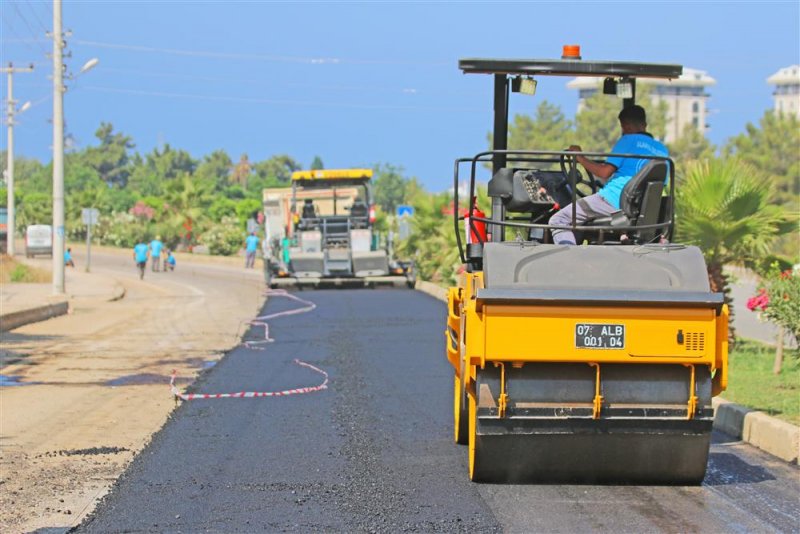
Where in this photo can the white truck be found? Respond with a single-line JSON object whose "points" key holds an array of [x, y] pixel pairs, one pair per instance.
{"points": [[38, 240]]}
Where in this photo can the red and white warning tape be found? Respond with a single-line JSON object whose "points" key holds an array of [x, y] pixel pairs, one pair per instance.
{"points": [[252, 394], [261, 321]]}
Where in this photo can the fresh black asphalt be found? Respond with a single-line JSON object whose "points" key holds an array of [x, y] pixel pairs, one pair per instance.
{"points": [[371, 453]]}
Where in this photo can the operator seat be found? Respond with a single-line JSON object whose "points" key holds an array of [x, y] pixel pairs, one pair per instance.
{"points": [[308, 216], [358, 209], [641, 203], [358, 214], [309, 211]]}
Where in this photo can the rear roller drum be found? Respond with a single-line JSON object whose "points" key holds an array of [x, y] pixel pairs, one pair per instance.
{"points": [[485, 465]]}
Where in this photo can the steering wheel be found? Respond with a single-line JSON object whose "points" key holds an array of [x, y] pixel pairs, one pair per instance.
{"points": [[580, 179]]}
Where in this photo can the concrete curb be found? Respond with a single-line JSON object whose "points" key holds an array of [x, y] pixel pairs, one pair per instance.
{"points": [[432, 290], [768, 433], [10, 321], [119, 293], [771, 435]]}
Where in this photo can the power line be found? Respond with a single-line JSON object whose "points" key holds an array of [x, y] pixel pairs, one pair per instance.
{"points": [[257, 57], [36, 16], [10, 29], [269, 83], [301, 103], [27, 24]]}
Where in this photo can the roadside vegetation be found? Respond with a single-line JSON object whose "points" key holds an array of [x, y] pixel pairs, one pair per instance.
{"points": [[754, 384], [167, 192], [13, 271]]}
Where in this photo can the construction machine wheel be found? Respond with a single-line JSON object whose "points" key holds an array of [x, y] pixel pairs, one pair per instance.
{"points": [[460, 413], [475, 472], [481, 461]]}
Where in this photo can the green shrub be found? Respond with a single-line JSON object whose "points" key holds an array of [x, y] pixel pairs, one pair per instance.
{"points": [[224, 238], [121, 229], [20, 273]]}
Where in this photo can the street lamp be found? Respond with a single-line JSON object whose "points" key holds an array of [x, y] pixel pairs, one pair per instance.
{"points": [[59, 233], [11, 111], [89, 65]]}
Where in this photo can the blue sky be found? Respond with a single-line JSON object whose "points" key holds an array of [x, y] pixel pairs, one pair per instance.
{"points": [[367, 82]]}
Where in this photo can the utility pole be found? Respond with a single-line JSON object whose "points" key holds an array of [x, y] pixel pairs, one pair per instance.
{"points": [[11, 110], [58, 151]]}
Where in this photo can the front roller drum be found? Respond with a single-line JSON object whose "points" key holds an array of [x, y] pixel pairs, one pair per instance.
{"points": [[460, 412], [558, 440]]}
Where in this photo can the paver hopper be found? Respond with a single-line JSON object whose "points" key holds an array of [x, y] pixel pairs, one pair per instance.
{"points": [[593, 363]]}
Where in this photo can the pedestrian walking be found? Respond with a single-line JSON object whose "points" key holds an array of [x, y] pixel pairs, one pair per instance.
{"points": [[155, 253], [250, 247], [140, 253]]}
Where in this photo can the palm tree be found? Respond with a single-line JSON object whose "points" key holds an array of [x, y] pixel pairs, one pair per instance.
{"points": [[187, 202], [725, 207]]}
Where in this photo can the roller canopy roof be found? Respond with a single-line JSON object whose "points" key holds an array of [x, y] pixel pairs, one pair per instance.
{"points": [[571, 67]]}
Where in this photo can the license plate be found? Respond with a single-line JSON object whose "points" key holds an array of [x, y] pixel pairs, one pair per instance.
{"points": [[599, 336]]}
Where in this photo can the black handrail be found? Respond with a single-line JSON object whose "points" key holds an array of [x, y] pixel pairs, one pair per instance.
{"points": [[526, 156]]}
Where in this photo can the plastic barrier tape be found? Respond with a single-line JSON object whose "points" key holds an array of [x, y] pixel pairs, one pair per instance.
{"points": [[261, 321]]}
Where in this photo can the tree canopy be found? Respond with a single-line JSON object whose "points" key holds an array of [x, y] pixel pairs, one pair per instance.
{"points": [[773, 147]]}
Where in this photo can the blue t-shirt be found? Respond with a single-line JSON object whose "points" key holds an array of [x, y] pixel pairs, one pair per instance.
{"points": [[155, 247], [67, 256], [627, 168], [251, 243], [140, 251], [171, 259]]}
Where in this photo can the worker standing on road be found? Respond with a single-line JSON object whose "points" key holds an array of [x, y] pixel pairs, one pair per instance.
{"points": [[68, 258], [286, 243], [140, 253], [155, 253], [250, 246]]}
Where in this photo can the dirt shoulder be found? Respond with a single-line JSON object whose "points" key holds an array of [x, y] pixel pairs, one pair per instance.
{"points": [[93, 384]]}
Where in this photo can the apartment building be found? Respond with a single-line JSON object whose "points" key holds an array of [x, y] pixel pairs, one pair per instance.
{"points": [[787, 90], [686, 98]]}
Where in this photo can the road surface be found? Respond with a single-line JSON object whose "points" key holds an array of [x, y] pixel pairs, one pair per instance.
{"points": [[374, 453], [84, 392]]}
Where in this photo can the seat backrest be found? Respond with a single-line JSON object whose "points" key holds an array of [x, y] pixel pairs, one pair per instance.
{"points": [[358, 209], [529, 190], [308, 210], [633, 194]]}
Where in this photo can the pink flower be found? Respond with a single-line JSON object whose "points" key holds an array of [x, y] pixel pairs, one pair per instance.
{"points": [[142, 210], [758, 302]]}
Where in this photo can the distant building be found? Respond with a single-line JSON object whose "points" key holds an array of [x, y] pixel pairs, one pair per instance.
{"points": [[685, 98], [787, 90]]}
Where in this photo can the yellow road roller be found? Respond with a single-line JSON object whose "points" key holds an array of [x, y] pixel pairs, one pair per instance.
{"points": [[587, 363]]}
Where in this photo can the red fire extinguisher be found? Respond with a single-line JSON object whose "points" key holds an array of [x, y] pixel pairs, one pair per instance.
{"points": [[476, 230]]}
